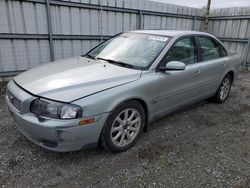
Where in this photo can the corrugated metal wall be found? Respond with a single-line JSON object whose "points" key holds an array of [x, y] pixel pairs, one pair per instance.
{"points": [[232, 25], [77, 26], [17, 17]]}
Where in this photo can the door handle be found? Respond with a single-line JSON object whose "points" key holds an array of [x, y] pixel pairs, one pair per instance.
{"points": [[224, 65], [197, 71]]}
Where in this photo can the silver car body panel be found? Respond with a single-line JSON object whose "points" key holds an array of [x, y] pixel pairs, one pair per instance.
{"points": [[99, 87], [75, 78], [53, 134]]}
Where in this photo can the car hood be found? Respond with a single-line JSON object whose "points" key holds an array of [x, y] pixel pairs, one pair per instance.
{"points": [[70, 79]]}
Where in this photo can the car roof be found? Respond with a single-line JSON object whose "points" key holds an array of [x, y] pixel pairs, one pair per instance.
{"points": [[170, 33]]}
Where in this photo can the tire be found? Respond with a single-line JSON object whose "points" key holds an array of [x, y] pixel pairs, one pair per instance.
{"points": [[122, 131], [224, 89]]}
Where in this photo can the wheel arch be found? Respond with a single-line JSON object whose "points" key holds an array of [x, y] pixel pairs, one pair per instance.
{"points": [[145, 106], [142, 103], [146, 110], [231, 73]]}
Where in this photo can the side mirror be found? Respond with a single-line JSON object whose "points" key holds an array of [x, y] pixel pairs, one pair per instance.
{"points": [[174, 65]]}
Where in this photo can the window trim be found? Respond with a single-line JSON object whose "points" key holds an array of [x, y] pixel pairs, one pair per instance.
{"points": [[171, 47], [199, 52]]}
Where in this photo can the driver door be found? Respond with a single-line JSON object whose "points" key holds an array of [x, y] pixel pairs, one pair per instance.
{"points": [[179, 87]]}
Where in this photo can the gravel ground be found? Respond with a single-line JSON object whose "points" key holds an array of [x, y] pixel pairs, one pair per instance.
{"points": [[205, 145]]}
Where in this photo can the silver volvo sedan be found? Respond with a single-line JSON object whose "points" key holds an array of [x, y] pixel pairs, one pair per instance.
{"points": [[111, 94]]}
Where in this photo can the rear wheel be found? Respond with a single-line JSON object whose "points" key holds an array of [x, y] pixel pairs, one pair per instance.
{"points": [[123, 127], [224, 89]]}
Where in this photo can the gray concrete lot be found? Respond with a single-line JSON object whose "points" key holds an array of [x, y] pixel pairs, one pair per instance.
{"points": [[204, 145]]}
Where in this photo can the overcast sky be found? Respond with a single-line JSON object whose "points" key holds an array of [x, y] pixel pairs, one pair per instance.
{"points": [[214, 4]]}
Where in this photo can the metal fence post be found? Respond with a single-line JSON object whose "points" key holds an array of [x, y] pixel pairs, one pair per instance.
{"points": [[247, 57], [140, 19], [100, 19], [101, 24], [52, 58], [194, 23]]}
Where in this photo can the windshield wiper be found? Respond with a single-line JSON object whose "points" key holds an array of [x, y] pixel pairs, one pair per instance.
{"points": [[89, 56], [117, 62]]}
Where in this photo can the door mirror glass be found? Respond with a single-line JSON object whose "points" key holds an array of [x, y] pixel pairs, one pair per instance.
{"points": [[174, 65]]}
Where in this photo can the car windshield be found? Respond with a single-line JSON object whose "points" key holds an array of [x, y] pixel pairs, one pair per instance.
{"points": [[132, 49]]}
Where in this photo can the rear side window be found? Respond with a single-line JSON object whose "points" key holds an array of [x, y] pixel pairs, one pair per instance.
{"points": [[184, 51], [209, 48], [223, 52]]}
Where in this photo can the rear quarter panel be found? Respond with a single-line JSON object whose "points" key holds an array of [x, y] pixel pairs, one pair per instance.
{"points": [[233, 63]]}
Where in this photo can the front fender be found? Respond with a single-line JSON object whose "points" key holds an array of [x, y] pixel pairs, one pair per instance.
{"points": [[144, 89]]}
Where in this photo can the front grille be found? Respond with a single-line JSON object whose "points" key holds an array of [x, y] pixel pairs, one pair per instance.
{"points": [[14, 101]]}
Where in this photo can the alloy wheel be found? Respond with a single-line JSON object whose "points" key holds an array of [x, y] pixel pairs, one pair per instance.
{"points": [[225, 88], [125, 127]]}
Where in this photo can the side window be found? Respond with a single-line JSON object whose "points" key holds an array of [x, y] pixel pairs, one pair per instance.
{"points": [[209, 48], [223, 52], [184, 51]]}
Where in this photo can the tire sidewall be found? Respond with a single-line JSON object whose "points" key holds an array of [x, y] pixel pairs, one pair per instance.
{"points": [[106, 138], [218, 99]]}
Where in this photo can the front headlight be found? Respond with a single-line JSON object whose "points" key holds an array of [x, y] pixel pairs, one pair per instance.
{"points": [[57, 110]]}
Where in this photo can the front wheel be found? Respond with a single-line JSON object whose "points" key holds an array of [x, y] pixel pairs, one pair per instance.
{"points": [[123, 127], [224, 89]]}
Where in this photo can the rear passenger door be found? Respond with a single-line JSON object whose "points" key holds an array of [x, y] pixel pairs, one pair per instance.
{"points": [[213, 64]]}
